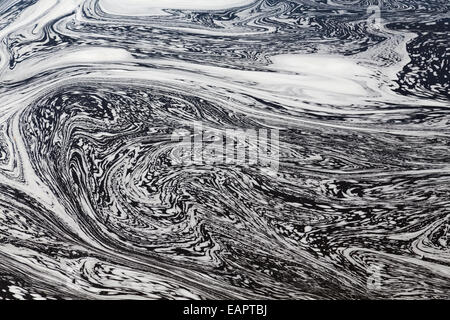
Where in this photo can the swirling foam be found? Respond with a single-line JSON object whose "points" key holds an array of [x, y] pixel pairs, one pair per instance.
{"points": [[93, 203]]}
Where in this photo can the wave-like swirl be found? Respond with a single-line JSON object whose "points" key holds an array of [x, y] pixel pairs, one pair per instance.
{"points": [[95, 201]]}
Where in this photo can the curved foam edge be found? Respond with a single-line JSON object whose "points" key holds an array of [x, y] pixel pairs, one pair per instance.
{"points": [[145, 7]]}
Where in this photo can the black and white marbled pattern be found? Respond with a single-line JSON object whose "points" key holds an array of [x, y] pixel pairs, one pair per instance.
{"points": [[93, 206]]}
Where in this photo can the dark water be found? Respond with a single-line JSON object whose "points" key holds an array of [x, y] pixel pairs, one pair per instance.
{"points": [[94, 204]]}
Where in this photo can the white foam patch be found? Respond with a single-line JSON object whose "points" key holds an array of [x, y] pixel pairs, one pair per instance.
{"points": [[86, 56], [150, 7]]}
